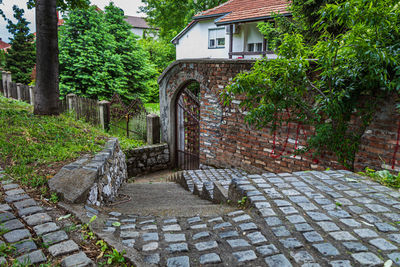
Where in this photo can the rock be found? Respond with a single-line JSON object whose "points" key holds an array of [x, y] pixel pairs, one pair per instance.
{"points": [[45, 228], [17, 235], [77, 260], [63, 248], [38, 218], [33, 257]]}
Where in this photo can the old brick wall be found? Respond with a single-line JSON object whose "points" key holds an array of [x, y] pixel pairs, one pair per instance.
{"points": [[226, 140]]}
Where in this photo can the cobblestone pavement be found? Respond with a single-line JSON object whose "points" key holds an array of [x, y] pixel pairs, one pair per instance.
{"points": [[25, 225], [331, 218]]}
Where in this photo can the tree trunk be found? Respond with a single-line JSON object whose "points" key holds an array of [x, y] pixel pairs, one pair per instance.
{"points": [[47, 91]]}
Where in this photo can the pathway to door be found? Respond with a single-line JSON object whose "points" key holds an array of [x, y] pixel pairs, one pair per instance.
{"points": [[330, 218]]}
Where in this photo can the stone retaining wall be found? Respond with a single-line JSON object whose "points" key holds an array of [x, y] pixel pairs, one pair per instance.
{"points": [[94, 180], [147, 159]]}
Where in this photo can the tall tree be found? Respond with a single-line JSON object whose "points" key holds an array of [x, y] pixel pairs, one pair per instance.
{"points": [[20, 58], [100, 56], [171, 16], [47, 90]]}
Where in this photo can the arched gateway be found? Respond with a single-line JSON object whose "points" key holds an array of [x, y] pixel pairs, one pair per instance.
{"points": [[191, 110]]}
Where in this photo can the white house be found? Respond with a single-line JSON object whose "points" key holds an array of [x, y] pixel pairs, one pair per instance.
{"points": [[140, 26], [229, 30]]}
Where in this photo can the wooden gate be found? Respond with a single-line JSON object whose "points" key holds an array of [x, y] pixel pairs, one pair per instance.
{"points": [[188, 130]]}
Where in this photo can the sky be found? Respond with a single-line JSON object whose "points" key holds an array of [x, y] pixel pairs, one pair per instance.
{"points": [[130, 7]]}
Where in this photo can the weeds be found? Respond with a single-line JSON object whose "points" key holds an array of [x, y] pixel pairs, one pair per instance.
{"points": [[383, 177]]}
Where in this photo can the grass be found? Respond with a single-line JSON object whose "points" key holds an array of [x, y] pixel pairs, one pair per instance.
{"points": [[33, 148], [383, 177]]}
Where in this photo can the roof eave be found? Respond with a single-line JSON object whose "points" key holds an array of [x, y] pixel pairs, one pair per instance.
{"points": [[202, 17], [185, 30], [249, 19]]}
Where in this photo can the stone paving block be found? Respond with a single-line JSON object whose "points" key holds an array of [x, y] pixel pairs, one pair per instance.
{"points": [[17, 235], [280, 231], [128, 227], [129, 234], [273, 221], [313, 237], [256, 238], [55, 237], [198, 226], [248, 226], [371, 218], [265, 212], [303, 227], [302, 256], [395, 217], [201, 246], [383, 244], [235, 213], [291, 243], [395, 257], [339, 213], [63, 248], [129, 242], [150, 246], [80, 259], [385, 227], [25, 246], [342, 236], [288, 210], [178, 247], [6, 216], [170, 221], [11, 225], [14, 192], [326, 249], [354, 246], [193, 220], [171, 228], [247, 255], [328, 226], [222, 225], [38, 218], [365, 233], [29, 210], [149, 227], [394, 238], [241, 218], [182, 261], [45, 228], [267, 250], [377, 208], [25, 203], [217, 219], [351, 222], [174, 237], [201, 235], [277, 260], [367, 258], [10, 186], [5, 207], [32, 258], [296, 219], [152, 259], [228, 234], [237, 243], [150, 237], [318, 216], [211, 258], [340, 263]]}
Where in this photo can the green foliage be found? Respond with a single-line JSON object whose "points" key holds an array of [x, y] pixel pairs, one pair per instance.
{"points": [[116, 257], [171, 16], [21, 56], [54, 198], [242, 202], [384, 177], [353, 72], [2, 59], [30, 145], [100, 56]]}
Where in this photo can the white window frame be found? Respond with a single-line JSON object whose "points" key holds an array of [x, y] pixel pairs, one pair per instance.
{"points": [[216, 45]]}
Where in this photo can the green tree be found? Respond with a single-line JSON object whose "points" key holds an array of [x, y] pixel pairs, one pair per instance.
{"points": [[100, 56], [353, 72], [20, 57], [171, 16]]}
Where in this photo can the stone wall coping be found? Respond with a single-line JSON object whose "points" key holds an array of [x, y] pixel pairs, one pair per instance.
{"points": [[204, 61]]}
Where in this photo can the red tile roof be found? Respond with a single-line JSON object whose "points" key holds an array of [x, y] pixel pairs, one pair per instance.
{"points": [[4, 45], [240, 10]]}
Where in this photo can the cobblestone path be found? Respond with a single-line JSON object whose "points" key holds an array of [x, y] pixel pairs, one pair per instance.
{"points": [[330, 218], [26, 226]]}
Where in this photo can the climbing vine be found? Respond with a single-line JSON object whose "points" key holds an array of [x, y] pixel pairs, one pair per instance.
{"points": [[334, 84]]}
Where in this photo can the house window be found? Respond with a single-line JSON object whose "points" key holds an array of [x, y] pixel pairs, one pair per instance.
{"points": [[254, 47], [216, 38]]}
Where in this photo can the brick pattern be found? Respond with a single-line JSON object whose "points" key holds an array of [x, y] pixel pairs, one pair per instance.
{"points": [[227, 141]]}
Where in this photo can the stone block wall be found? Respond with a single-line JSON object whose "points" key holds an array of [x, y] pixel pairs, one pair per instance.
{"points": [[227, 141], [94, 180], [148, 159]]}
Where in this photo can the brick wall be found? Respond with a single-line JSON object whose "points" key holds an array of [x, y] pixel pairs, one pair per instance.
{"points": [[226, 140]]}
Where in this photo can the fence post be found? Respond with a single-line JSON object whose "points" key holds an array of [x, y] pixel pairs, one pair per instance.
{"points": [[4, 82], [104, 110], [31, 95], [71, 101], [153, 129], [19, 95], [9, 80]]}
